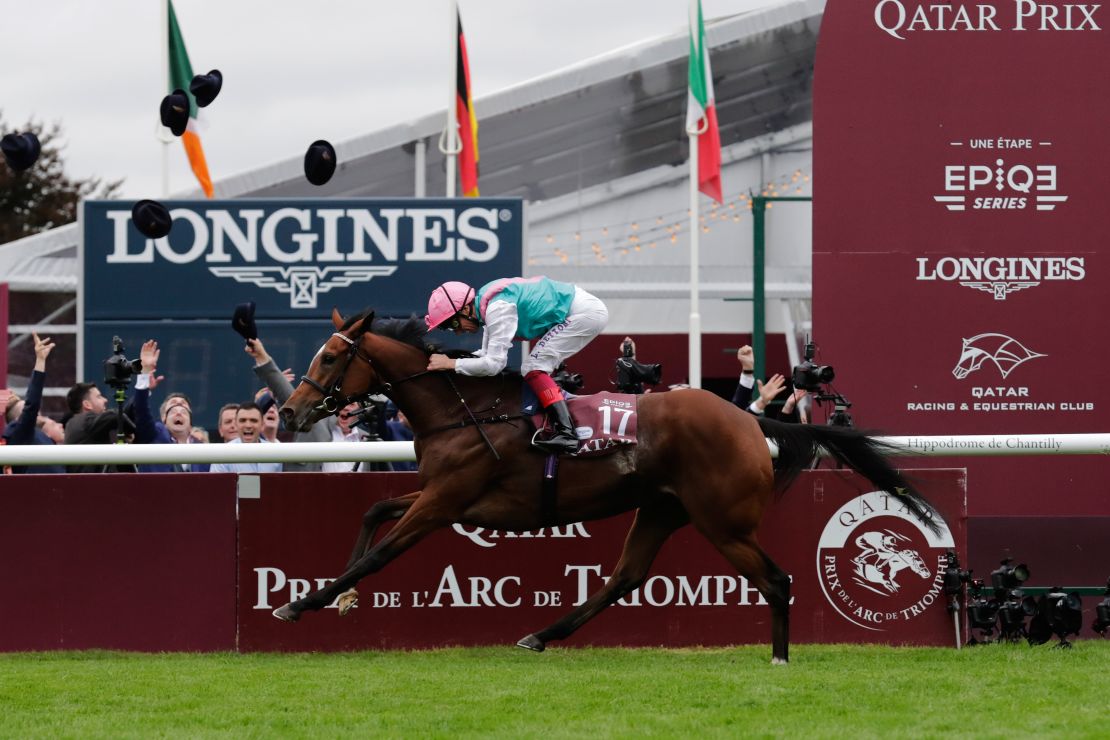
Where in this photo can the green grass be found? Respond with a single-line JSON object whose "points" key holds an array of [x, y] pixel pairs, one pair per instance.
{"points": [[827, 691]]}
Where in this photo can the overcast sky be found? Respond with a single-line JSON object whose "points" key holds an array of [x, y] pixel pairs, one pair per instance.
{"points": [[294, 71]]}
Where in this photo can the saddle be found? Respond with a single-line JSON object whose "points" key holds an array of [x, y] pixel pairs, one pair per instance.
{"points": [[604, 422]]}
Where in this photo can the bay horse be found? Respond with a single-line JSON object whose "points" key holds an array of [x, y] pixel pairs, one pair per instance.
{"points": [[698, 460]]}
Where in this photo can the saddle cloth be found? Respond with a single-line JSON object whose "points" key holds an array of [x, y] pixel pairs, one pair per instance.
{"points": [[604, 422]]}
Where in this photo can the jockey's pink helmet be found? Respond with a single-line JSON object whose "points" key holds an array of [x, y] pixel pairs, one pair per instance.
{"points": [[446, 301]]}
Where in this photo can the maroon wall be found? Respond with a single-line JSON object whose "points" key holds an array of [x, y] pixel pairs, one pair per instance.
{"points": [[720, 369], [124, 562], [960, 274], [156, 562], [431, 596]]}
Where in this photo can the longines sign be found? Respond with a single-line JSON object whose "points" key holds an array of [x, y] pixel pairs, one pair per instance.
{"points": [[293, 258]]}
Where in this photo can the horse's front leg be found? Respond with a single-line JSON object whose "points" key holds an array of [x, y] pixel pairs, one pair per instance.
{"points": [[426, 514], [654, 523], [379, 513]]}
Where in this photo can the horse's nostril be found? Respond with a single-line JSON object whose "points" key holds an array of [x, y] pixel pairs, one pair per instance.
{"points": [[286, 414]]}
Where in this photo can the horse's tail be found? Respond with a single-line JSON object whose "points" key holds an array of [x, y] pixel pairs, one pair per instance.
{"points": [[799, 444]]}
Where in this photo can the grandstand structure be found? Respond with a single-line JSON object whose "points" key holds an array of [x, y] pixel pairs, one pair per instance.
{"points": [[598, 152]]}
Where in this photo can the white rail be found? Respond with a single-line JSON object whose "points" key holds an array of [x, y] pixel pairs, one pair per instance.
{"points": [[210, 453], [984, 445]]}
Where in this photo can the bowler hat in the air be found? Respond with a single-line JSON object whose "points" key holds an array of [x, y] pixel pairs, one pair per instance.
{"points": [[21, 150], [242, 321], [319, 162], [175, 112], [205, 88], [151, 219]]}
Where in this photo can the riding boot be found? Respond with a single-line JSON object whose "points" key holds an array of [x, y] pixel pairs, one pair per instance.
{"points": [[562, 440]]}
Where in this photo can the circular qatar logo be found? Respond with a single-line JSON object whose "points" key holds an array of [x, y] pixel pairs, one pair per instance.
{"points": [[878, 564]]}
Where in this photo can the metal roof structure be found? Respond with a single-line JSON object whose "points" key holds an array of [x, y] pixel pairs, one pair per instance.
{"points": [[613, 117]]}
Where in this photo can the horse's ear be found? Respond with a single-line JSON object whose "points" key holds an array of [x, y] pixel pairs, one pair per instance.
{"points": [[363, 325], [336, 318]]}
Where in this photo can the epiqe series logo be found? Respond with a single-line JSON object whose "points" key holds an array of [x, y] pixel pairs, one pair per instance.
{"points": [[901, 19], [1001, 276], [306, 252], [878, 565], [1009, 182]]}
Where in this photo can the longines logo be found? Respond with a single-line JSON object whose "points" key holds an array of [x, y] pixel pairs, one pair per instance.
{"points": [[1001, 184], [879, 565], [1000, 276], [898, 18], [298, 252]]}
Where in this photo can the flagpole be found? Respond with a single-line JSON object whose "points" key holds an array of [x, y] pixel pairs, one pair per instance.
{"points": [[695, 317], [450, 143], [161, 133]]}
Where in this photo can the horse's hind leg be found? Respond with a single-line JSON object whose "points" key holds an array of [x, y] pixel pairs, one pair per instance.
{"points": [[751, 562], [653, 525], [380, 512]]}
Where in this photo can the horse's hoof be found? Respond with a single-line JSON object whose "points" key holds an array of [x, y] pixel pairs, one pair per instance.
{"points": [[779, 661], [286, 613], [531, 642], [347, 601]]}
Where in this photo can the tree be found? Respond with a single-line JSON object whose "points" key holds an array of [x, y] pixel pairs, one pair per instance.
{"points": [[43, 196]]}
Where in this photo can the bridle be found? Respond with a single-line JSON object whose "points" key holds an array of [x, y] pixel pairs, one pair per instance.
{"points": [[333, 399]]}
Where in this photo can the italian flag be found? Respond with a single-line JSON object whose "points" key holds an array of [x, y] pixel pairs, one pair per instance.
{"points": [[701, 109], [180, 75]]}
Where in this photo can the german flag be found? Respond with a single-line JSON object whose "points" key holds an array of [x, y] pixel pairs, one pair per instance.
{"points": [[468, 123]]}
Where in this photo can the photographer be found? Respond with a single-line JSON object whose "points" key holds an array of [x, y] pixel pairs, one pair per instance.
{"points": [[767, 391], [631, 373], [176, 415], [90, 423], [24, 425]]}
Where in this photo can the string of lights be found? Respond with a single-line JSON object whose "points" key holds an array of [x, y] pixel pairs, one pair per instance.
{"points": [[627, 238]]}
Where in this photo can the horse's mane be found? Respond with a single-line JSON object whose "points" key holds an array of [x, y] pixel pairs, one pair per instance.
{"points": [[411, 330]]}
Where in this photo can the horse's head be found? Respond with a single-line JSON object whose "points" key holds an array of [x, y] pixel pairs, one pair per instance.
{"points": [[339, 366], [916, 562]]}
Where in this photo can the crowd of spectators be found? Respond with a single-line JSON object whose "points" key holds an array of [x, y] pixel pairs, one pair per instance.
{"points": [[92, 419]]}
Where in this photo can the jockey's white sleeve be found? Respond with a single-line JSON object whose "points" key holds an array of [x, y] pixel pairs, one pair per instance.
{"points": [[501, 323]]}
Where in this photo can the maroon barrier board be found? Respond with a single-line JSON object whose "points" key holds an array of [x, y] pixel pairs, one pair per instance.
{"points": [[122, 562], [862, 572], [960, 273]]}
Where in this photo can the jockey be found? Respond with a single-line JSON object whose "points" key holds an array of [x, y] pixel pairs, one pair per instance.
{"points": [[563, 317]]}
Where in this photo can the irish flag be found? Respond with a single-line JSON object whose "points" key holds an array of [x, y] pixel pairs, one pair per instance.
{"points": [[180, 75], [701, 109]]}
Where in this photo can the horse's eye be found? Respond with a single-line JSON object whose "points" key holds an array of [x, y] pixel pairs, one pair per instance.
{"points": [[327, 359]]}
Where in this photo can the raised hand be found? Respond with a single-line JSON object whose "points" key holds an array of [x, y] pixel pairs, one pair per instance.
{"points": [[43, 348]]}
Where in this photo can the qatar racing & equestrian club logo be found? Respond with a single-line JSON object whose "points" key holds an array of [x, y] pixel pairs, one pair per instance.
{"points": [[878, 564]]}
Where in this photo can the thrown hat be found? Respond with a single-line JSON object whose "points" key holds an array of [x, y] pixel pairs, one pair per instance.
{"points": [[175, 112], [21, 150], [152, 219], [319, 162], [242, 321], [205, 88]]}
